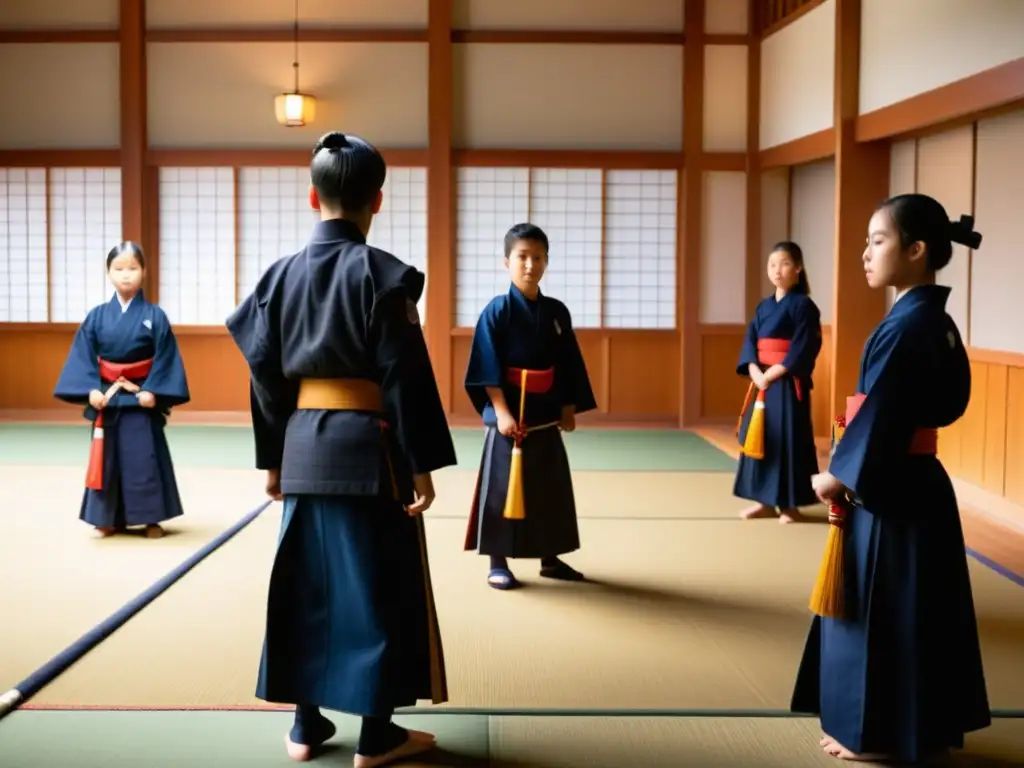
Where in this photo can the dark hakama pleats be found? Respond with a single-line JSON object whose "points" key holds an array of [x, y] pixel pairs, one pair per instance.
{"points": [[783, 477], [351, 624], [139, 487], [550, 527], [903, 676]]}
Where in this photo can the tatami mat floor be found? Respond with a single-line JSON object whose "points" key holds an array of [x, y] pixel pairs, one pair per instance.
{"points": [[689, 608], [254, 740]]}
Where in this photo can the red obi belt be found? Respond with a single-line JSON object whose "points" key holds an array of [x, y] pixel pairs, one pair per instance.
{"points": [[115, 374], [772, 352], [924, 443], [537, 382]]}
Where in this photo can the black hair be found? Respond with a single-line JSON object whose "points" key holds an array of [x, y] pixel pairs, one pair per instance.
{"points": [[525, 231], [796, 253], [920, 218], [347, 172], [127, 247]]}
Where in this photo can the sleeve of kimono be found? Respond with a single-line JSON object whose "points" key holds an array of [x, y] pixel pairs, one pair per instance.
{"points": [[272, 398], [573, 381], [806, 342], [880, 434], [166, 380], [410, 392], [81, 372], [748, 352], [485, 367]]}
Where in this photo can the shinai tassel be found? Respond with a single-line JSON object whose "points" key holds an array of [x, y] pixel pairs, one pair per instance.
{"points": [[515, 507], [828, 597], [94, 472], [753, 445]]}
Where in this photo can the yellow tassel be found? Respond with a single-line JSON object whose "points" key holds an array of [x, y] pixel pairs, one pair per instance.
{"points": [[515, 506], [753, 445], [828, 598]]}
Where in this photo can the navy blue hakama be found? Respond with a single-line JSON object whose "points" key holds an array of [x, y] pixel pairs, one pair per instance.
{"points": [[550, 527], [901, 673], [782, 478], [351, 624], [139, 487]]}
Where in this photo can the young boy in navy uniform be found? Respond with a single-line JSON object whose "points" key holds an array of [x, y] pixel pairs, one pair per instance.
{"points": [[349, 426]]}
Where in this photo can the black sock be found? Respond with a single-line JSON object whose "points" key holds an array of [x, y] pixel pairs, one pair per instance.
{"points": [[498, 562], [310, 727], [550, 562], [379, 735]]}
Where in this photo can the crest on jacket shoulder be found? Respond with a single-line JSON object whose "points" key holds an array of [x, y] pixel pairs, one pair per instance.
{"points": [[412, 312]]}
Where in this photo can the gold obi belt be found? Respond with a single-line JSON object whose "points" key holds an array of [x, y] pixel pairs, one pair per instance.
{"points": [[340, 395]]}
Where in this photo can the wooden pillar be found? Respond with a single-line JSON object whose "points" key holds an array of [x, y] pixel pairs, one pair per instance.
{"points": [[690, 214], [134, 134], [440, 198], [755, 259], [862, 181]]}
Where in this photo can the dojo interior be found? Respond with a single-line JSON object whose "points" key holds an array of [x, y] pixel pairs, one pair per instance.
{"points": [[664, 145]]}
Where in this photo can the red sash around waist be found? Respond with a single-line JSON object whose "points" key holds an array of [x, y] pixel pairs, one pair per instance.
{"points": [[110, 373], [772, 352], [925, 441], [537, 382]]}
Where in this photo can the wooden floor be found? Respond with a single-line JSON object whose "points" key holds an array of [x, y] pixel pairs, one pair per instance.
{"points": [[993, 526]]}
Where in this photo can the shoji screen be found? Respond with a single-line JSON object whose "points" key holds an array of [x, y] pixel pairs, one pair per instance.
{"points": [[23, 295], [85, 223], [612, 236], [640, 249], [197, 244], [275, 219]]}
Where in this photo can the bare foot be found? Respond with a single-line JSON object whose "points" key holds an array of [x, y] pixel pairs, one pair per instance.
{"points": [[412, 746], [790, 516], [837, 750], [757, 511], [300, 753], [422, 736], [154, 531], [106, 530]]}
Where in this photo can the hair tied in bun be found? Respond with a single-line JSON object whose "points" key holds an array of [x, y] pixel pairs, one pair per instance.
{"points": [[962, 232], [332, 142]]}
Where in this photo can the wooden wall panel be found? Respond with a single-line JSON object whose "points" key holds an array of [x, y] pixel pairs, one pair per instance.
{"points": [[643, 375], [986, 447], [217, 374], [1013, 485], [722, 389], [634, 374]]}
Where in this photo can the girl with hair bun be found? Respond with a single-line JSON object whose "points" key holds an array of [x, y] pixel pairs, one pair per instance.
{"points": [[897, 674]]}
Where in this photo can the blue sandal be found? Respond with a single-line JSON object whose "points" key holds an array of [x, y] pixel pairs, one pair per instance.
{"points": [[502, 578]]}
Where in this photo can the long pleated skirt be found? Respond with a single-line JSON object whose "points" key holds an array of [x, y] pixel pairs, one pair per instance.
{"points": [[139, 487], [783, 477], [351, 624], [903, 675], [550, 527]]}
